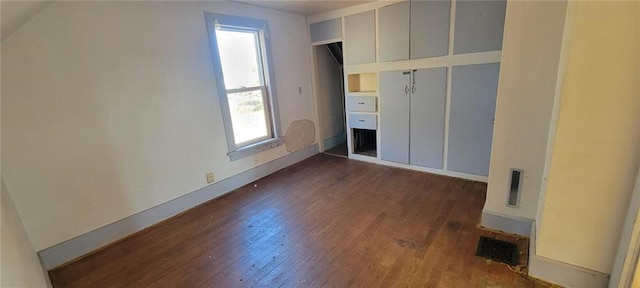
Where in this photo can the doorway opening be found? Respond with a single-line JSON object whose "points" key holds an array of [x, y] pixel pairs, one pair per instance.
{"points": [[330, 96]]}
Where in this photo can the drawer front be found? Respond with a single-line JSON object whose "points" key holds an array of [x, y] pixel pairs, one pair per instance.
{"points": [[363, 121], [361, 103]]}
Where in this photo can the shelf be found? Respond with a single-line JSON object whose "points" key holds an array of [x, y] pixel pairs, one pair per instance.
{"points": [[364, 142], [362, 83]]}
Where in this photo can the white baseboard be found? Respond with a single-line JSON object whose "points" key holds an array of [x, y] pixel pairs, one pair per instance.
{"points": [[560, 273], [71, 249], [334, 141], [506, 223], [443, 172]]}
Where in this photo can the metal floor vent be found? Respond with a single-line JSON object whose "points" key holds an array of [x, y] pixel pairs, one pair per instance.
{"points": [[497, 250]]}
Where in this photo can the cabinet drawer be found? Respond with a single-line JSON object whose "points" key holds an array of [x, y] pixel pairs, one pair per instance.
{"points": [[363, 121], [361, 103]]}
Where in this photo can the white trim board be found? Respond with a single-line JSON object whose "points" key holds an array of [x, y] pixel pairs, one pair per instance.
{"points": [[562, 273], [506, 223], [334, 141], [431, 62], [69, 250], [324, 42], [449, 173]]}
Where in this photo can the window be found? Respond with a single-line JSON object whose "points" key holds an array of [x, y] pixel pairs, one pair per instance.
{"points": [[242, 64]]}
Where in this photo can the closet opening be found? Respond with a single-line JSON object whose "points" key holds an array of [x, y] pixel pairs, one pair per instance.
{"points": [[331, 99]]}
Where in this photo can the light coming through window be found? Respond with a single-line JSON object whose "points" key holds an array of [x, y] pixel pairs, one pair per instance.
{"points": [[242, 70], [241, 61]]}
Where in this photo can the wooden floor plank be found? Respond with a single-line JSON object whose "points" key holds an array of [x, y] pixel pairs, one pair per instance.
{"points": [[324, 222]]}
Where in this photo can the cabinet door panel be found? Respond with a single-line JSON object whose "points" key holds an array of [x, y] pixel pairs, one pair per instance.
{"points": [[394, 116], [479, 26], [359, 39], [393, 31], [326, 30], [427, 117], [429, 28], [473, 103]]}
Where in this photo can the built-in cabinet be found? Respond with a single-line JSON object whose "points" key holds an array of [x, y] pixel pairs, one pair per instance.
{"points": [[414, 29], [416, 102], [412, 116]]}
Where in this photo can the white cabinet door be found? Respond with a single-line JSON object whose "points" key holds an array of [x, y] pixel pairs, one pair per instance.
{"points": [[429, 28], [326, 30], [473, 106], [360, 38], [394, 116], [479, 26], [426, 146], [393, 29]]}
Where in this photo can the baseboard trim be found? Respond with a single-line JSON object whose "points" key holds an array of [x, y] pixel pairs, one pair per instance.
{"points": [[560, 273], [74, 248], [334, 141], [510, 224]]}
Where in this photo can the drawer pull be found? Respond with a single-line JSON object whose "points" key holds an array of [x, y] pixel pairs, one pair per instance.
{"points": [[361, 103], [360, 120]]}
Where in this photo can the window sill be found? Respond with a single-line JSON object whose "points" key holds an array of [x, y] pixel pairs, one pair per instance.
{"points": [[254, 148]]}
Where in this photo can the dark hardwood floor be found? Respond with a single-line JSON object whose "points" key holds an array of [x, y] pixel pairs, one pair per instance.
{"points": [[326, 221]]}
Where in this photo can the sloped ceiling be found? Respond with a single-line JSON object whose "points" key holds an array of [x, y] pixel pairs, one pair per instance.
{"points": [[15, 13], [305, 7]]}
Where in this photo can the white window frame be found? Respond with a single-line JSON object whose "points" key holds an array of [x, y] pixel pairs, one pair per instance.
{"points": [[261, 27]]}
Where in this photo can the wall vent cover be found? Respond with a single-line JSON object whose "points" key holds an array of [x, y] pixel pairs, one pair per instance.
{"points": [[515, 187]]}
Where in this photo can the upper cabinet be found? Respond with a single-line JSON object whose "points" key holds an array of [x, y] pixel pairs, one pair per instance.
{"points": [[430, 28], [360, 38], [326, 30], [394, 32], [414, 29], [479, 26]]}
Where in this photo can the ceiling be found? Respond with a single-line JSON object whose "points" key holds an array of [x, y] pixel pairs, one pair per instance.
{"points": [[305, 7], [15, 13]]}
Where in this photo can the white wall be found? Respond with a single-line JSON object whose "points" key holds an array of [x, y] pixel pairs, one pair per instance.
{"points": [[15, 13], [596, 151], [110, 108], [329, 95], [526, 90], [19, 264]]}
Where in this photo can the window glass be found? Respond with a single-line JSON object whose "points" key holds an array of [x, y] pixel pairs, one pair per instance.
{"points": [[239, 57], [241, 61]]}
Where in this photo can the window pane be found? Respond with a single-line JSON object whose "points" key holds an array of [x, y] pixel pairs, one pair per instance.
{"points": [[239, 57], [248, 116]]}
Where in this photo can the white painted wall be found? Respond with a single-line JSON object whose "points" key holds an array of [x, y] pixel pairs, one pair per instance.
{"points": [[110, 108], [529, 68], [596, 151], [328, 93], [15, 13], [19, 264]]}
